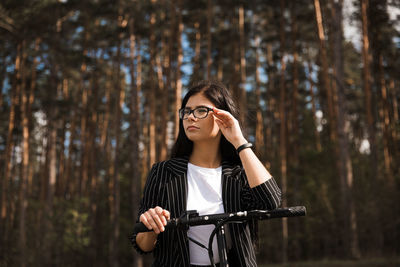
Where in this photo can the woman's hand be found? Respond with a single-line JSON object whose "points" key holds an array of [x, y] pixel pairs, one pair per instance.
{"points": [[155, 219], [229, 127]]}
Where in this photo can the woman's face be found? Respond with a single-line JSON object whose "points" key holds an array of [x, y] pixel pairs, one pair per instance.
{"points": [[200, 129]]}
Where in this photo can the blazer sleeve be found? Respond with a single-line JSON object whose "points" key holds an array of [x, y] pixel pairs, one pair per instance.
{"points": [[266, 196], [150, 199]]}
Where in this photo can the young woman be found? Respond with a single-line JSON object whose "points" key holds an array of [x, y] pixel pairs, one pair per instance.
{"points": [[212, 170]]}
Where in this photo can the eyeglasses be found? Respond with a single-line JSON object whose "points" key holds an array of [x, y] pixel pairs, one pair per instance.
{"points": [[199, 112]]}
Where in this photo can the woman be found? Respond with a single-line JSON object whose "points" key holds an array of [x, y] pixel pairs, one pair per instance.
{"points": [[212, 170]]}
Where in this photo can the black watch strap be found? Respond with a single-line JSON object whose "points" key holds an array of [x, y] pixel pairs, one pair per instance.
{"points": [[247, 145]]}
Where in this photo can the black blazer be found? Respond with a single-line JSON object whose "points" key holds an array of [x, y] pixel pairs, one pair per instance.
{"points": [[166, 187]]}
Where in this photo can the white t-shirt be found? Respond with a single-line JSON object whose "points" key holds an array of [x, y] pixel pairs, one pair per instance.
{"points": [[205, 196]]}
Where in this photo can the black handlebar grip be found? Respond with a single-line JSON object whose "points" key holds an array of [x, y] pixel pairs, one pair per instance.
{"points": [[298, 211], [288, 212], [140, 227]]}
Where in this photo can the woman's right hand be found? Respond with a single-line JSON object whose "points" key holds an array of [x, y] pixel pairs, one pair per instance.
{"points": [[155, 219]]}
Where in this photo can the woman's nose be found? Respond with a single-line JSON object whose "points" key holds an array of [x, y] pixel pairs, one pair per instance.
{"points": [[192, 117]]}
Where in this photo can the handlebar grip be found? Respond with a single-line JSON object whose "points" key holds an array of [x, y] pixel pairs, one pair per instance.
{"points": [[140, 227], [298, 211], [288, 212]]}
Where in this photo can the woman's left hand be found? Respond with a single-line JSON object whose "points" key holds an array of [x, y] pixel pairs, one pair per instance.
{"points": [[229, 127]]}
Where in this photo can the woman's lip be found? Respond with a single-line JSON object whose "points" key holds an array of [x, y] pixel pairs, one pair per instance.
{"points": [[192, 127]]}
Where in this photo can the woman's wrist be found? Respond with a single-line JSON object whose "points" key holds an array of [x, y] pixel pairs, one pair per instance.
{"points": [[240, 141]]}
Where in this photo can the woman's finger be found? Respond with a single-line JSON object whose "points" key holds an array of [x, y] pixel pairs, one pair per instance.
{"points": [[160, 214], [157, 220], [167, 214], [152, 223], [220, 123], [144, 220]]}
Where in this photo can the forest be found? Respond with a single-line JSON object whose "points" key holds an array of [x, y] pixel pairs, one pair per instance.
{"points": [[89, 96]]}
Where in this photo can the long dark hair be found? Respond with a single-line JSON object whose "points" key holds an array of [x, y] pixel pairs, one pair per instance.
{"points": [[220, 96]]}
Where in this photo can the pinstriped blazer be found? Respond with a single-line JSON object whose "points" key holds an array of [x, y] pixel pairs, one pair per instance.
{"points": [[166, 187]]}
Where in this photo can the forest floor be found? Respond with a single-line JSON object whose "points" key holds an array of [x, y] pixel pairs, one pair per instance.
{"points": [[381, 262]]}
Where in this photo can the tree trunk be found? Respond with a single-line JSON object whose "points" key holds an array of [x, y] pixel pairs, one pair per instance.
{"points": [[367, 89], [294, 133], [282, 131], [209, 38], [343, 130], [270, 107], [324, 62], [5, 203], [242, 50], [115, 182], [384, 106], [151, 96], [23, 203], [134, 136], [197, 50], [163, 100], [29, 108], [178, 92], [259, 117]]}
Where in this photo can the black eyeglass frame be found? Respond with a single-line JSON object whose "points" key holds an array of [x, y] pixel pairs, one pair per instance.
{"points": [[181, 115]]}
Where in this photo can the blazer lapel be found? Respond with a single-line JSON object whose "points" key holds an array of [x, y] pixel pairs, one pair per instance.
{"points": [[177, 196], [177, 185], [230, 189]]}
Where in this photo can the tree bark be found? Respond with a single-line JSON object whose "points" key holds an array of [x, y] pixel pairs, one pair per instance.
{"points": [[242, 50], [5, 203], [343, 130], [178, 92], [209, 38], [324, 61], [134, 135], [259, 117], [115, 181], [367, 88], [23, 203], [282, 131], [384, 111]]}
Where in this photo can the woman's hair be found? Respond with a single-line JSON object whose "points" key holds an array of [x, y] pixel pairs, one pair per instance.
{"points": [[219, 95]]}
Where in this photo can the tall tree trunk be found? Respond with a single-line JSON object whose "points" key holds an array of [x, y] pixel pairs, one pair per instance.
{"points": [[384, 107], [282, 131], [60, 187], [269, 107], [5, 203], [153, 91], [295, 93], [209, 38], [31, 99], [367, 88], [294, 133], [395, 106], [259, 123], [134, 135], [84, 131], [197, 50], [242, 50], [23, 203], [343, 130], [178, 92], [115, 183], [163, 91], [367, 80], [324, 61]]}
